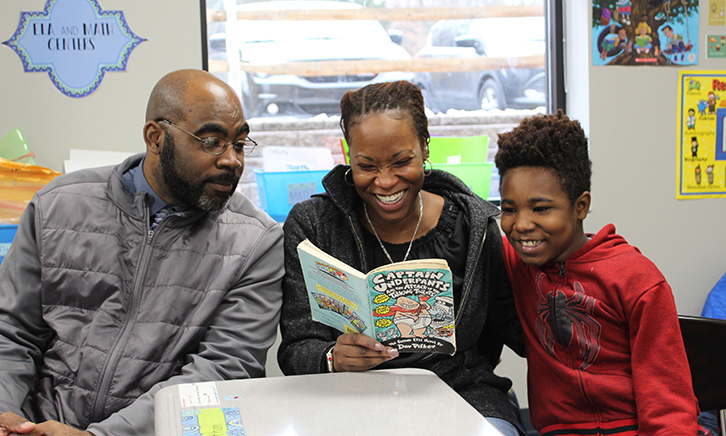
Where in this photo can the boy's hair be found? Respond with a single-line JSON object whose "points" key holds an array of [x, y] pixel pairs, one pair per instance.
{"points": [[400, 96], [548, 141]]}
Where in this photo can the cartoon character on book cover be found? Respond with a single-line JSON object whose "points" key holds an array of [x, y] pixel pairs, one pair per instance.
{"points": [[419, 305]]}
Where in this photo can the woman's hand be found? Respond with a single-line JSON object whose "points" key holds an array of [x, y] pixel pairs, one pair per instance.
{"points": [[358, 352]]}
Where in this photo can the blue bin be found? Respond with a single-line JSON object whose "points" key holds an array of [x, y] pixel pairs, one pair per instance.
{"points": [[280, 190], [7, 233]]}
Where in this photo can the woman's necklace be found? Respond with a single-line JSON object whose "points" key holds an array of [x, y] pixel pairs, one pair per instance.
{"points": [[420, 215]]}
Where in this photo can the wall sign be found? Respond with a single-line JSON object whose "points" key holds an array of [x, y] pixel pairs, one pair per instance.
{"points": [[702, 134], [75, 41]]}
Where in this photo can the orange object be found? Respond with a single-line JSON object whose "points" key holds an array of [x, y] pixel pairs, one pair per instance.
{"points": [[18, 183]]}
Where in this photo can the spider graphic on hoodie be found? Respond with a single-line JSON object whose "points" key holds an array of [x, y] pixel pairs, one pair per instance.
{"points": [[561, 318]]}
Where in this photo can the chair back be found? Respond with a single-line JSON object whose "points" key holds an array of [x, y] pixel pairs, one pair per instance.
{"points": [[705, 342]]}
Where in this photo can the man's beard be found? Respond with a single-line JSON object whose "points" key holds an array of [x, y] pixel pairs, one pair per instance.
{"points": [[191, 193]]}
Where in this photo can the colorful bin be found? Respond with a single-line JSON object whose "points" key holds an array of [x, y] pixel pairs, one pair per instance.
{"points": [[7, 233], [280, 190], [458, 149], [466, 158], [477, 176]]}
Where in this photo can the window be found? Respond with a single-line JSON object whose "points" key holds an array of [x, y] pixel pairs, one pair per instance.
{"points": [[293, 60]]}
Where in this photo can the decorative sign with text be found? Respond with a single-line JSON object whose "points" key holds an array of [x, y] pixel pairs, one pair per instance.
{"points": [[702, 134], [76, 42]]}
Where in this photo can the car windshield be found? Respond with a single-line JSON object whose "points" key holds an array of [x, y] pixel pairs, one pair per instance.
{"points": [[288, 30]]}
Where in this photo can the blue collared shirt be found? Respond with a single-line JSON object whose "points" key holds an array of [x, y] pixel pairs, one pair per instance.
{"points": [[135, 181]]}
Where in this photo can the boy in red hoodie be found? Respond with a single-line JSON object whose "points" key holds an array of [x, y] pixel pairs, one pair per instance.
{"points": [[604, 349]]}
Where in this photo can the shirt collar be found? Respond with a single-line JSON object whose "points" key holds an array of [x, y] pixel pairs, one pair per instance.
{"points": [[135, 181]]}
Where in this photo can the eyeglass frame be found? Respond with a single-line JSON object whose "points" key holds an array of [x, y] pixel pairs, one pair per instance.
{"points": [[246, 149]]}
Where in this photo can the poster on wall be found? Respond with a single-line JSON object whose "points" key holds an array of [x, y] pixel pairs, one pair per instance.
{"points": [[717, 13], [701, 134], [75, 41], [716, 46], [645, 32]]}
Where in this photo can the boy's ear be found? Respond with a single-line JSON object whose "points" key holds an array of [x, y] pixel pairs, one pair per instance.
{"points": [[582, 205]]}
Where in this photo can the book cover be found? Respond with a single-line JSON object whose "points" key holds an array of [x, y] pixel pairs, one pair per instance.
{"points": [[406, 305]]}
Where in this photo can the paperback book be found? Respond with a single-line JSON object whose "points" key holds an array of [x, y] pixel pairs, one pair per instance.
{"points": [[406, 305]]}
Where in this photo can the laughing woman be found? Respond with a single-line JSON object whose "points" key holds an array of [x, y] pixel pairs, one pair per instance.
{"points": [[386, 207]]}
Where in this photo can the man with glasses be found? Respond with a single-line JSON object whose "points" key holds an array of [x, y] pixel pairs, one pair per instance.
{"points": [[123, 280]]}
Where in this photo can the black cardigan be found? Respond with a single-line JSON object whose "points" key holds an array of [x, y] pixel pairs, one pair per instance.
{"points": [[486, 318]]}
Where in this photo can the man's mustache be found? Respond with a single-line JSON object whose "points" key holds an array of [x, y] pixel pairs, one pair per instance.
{"points": [[224, 179]]}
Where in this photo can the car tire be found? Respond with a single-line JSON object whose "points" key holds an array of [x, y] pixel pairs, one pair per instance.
{"points": [[491, 95]]}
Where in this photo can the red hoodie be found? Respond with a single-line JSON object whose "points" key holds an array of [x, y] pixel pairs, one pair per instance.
{"points": [[604, 348]]}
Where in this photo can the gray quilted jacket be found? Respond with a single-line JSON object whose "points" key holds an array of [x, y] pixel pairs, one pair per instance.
{"points": [[98, 312]]}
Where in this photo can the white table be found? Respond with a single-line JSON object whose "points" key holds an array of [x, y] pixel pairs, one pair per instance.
{"points": [[387, 402]]}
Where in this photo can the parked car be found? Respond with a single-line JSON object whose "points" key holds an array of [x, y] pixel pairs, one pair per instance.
{"points": [[266, 42], [512, 87]]}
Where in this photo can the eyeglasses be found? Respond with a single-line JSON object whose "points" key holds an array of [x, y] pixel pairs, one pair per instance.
{"points": [[218, 146]]}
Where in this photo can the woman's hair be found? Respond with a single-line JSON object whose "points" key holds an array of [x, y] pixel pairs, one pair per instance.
{"points": [[548, 141], [379, 97]]}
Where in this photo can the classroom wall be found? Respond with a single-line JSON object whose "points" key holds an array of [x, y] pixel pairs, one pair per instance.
{"points": [[110, 118], [633, 124], [629, 114]]}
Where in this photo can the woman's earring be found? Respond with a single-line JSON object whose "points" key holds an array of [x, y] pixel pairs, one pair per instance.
{"points": [[345, 178], [429, 169]]}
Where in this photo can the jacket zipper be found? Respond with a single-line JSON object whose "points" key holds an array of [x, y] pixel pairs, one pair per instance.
{"points": [[468, 285], [467, 288], [110, 367], [360, 243]]}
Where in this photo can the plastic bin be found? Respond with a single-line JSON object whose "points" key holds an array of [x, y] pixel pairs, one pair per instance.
{"points": [[280, 190], [477, 176], [454, 150], [464, 157], [7, 233]]}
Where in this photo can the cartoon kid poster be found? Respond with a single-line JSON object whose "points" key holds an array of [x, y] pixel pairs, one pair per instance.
{"points": [[702, 134], [645, 32]]}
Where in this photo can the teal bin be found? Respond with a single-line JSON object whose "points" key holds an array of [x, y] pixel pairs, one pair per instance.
{"points": [[280, 190], [7, 233]]}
